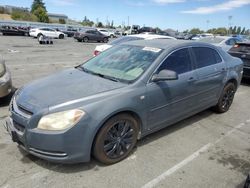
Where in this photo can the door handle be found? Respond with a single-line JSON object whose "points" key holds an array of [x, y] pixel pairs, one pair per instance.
{"points": [[191, 79]]}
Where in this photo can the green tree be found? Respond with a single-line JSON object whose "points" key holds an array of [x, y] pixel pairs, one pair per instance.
{"points": [[41, 15], [24, 16], [238, 30], [87, 22], [234, 30], [195, 31], [36, 4], [243, 31], [99, 24]]}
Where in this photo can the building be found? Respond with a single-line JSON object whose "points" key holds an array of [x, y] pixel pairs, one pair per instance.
{"points": [[9, 9], [57, 17]]}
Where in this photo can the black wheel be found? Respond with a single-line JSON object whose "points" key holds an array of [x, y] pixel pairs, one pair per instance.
{"points": [[40, 34], [226, 98], [116, 139], [85, 39], [105, 40], [61, 36], [79, 40]]}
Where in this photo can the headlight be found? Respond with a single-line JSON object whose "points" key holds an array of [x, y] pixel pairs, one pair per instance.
{"points": [[60, 120], [2, 69]]}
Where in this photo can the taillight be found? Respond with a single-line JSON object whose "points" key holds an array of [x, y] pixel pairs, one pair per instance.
{"points": [[96, 52], [236, 46]]}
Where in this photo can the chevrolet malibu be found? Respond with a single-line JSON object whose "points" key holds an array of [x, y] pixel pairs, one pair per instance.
{"points": [[105, 105]]}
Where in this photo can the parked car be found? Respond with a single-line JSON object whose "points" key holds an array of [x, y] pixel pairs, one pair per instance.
{"points": [[242, 50], [247, 183], [48, 32], [200, 36], [105, 105], [108, 33], [90, 35], [5, 80], [10, 30], [101, 48], [222, 41], [70, 32]]}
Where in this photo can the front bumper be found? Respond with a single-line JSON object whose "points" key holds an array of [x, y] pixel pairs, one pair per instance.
{"points": [[246, 72], [71, 146], [5, 85]]}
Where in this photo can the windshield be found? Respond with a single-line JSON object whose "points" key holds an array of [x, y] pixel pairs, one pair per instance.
{"points": [[124, 39], [212, 40], [123, 63]]}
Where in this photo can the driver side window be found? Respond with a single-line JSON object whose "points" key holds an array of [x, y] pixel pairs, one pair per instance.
{"points": [[178, 61]]}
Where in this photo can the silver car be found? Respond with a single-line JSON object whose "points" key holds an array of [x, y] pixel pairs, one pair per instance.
{"points": [[5, 80]]}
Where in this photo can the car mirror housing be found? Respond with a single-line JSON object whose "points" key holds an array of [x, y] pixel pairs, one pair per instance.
{"points": [[164, 75]]}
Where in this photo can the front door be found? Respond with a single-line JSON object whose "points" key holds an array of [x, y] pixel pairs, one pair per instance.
{"points": [[169, 101]]}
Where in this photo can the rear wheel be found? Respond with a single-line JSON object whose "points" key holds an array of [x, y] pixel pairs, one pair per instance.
{"points": [[39, 35], [61, 36], [226, 98], [116, 139], [105, 40], [85, 39]]}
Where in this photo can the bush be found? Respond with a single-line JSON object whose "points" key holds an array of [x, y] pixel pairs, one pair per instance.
{"points": [[23, 16]]}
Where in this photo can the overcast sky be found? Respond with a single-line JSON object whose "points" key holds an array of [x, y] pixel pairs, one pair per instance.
{"points": [[176, 14]]}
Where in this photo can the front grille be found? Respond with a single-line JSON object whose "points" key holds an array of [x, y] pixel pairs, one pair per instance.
{"points": [[21, 111], [48, 153], [18, 126]]}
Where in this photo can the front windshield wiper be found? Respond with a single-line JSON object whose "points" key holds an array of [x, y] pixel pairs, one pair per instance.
{"points": [[98, 74]]}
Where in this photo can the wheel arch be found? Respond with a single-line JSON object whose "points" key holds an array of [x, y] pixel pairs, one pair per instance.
{"points": [[135, 115]]}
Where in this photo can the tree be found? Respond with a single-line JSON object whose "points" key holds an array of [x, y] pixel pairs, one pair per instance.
{"points": [[36, 4], [24, 16], [234, 30], [87, 22], [238, 30], [243, 31], [99, 24], [195, 31], [112, 24], [41, 15]]}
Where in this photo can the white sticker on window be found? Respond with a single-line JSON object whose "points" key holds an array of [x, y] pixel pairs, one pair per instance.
{"points": [[151, 49]]}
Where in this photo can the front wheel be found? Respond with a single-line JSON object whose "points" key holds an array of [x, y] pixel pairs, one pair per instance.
{"points": [[116, 139], [85, 39], [226, 98]]}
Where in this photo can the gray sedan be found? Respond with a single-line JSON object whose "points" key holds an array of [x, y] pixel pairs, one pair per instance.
{"points": [[5, 80], [105, 105]]}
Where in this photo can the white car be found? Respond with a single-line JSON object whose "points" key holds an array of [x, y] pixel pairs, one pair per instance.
{"points": [[204, 35], [101, 48], [108, 33], [48, 32], [226, 43]]}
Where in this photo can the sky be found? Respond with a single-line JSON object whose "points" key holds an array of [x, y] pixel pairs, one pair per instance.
{"points": [[176, 14]]}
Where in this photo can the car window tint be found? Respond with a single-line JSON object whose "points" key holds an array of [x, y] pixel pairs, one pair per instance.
{"points": [[231, 42], [178, 61], [217, 57], [205, 56]]}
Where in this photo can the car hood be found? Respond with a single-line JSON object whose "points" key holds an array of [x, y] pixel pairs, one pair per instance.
{"points": [[62, 87]]}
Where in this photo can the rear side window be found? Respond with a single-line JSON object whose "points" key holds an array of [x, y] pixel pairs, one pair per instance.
{"points": [[178, 61], [206, 56]]}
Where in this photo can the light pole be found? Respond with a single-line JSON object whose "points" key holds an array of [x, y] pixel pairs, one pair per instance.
{"points": [[229, 24]]}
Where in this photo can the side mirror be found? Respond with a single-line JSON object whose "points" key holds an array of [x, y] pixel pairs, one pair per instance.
{"points": [[165, 75]]}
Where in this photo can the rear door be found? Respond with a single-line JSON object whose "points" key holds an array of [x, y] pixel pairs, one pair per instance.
{"points": [[171, 100], [211, 71]]}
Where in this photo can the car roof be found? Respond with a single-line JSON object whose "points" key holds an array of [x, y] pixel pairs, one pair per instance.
{"points": [[167, 44], [151, 36]]}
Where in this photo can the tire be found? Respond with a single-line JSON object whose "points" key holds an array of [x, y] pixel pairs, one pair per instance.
{"points": [[61, 36], [39, 34], [116, 139], [85, 39], [226, 98], [79, 40], [105, 40]]}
